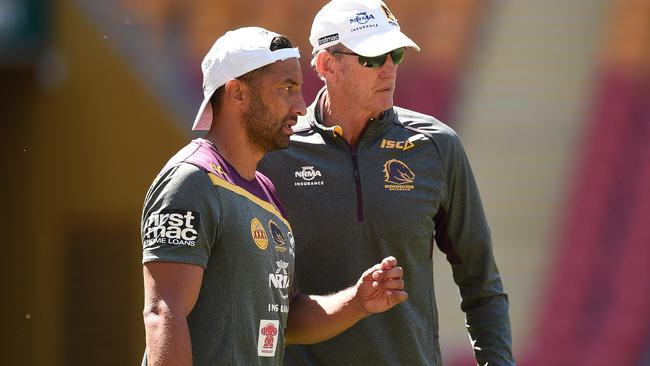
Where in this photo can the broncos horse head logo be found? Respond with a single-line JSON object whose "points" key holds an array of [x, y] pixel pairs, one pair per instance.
{"points": [[276, 233], [396, 172]]}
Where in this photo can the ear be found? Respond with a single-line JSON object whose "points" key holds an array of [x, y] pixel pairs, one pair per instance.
{"points": [[234, 92], [326, 65]]}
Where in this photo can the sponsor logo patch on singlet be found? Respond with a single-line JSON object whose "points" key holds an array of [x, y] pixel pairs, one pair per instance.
{"points": [[175, 227], [259, 234], [292, 244], [267, 337], [279, 279], [278, 237]]}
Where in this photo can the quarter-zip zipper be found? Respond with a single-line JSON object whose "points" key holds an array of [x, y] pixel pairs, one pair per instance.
{"points": [[355, 160], [357, 178], [356, 172], [357, 183]]}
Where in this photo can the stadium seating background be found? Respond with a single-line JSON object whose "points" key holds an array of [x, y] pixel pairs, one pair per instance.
{"points": [[551, 100]]}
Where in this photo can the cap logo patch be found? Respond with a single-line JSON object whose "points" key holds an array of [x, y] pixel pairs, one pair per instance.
{"points": [[389, 14], [361, 18], [328, 39]]}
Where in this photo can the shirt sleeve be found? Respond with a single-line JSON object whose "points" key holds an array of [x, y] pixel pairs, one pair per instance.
{"points": [[180, 219], [462, 233]]}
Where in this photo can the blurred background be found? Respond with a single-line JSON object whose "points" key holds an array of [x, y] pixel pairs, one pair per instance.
{"points": [[550, 98]]}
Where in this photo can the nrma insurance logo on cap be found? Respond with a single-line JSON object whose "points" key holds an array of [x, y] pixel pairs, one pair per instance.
{"points": [[173, 227], [361, 18]]}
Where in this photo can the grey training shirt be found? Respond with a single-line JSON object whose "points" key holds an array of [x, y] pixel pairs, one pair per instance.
{"points": [[200, 211]]}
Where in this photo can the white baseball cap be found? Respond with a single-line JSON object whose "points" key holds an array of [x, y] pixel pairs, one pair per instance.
{"points": [[367, 27], [234, 54]]}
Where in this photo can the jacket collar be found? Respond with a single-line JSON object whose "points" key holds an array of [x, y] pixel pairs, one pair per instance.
{"points": [[314, 118]]}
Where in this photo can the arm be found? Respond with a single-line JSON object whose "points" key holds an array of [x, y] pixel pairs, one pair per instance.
{"points": [[170, 292], [314, 318], [462, 233]]}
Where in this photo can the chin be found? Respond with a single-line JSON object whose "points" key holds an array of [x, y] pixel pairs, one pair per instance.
{"points": [[385, 102], [280, 145], [384, 106]]}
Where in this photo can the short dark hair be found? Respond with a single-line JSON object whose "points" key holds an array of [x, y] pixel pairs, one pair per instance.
{"points": [[215, 99], [277, 43]]}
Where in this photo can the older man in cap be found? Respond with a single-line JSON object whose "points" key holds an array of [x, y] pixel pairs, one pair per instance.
{"points": [[218, 252], [363, 178]]}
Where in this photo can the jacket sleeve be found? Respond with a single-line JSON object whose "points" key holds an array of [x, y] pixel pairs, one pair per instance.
{"points": [[462, 233]]}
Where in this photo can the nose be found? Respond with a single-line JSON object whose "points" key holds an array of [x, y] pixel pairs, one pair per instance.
{"points": [[298, 107], [388, 69]]}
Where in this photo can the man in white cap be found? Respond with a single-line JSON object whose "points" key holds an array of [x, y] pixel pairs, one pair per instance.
{"points": [[363, 178], [218, 253]]}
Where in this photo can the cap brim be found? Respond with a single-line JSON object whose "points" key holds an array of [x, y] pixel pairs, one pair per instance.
{"points": [[380, 43], [203, 119]]}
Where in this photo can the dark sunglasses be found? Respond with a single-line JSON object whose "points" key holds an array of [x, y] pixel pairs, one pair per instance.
{"points": [[396, 55]]}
